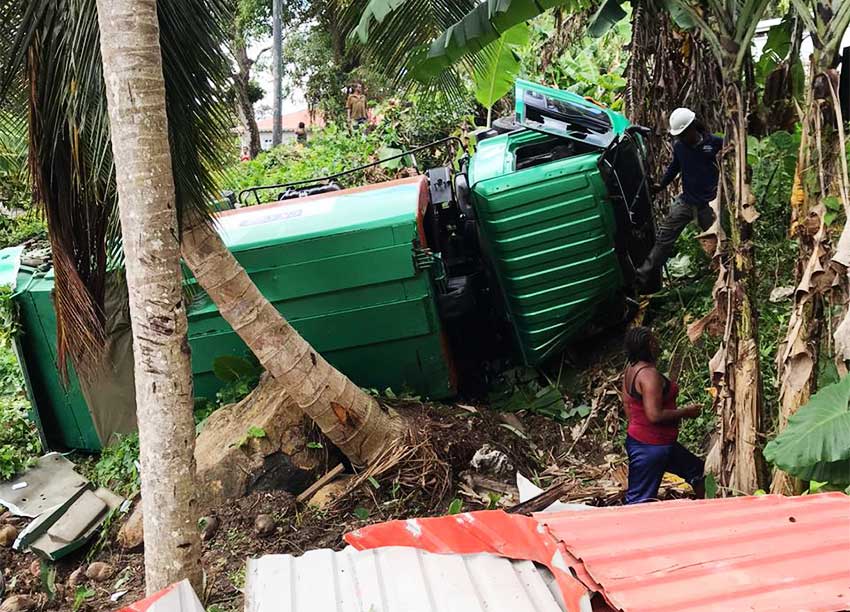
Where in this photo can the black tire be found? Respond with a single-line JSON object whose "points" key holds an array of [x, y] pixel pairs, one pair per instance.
{"points": [[505, 124]]}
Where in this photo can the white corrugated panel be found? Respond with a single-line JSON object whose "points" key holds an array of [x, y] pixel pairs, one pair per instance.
{"points": [[395, 579]]}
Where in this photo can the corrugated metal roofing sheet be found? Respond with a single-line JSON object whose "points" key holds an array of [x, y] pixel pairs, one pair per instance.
{"points": [[395, 579], [742, 553]]}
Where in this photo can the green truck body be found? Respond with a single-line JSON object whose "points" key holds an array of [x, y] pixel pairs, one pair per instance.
{"points": [[415, 284]]}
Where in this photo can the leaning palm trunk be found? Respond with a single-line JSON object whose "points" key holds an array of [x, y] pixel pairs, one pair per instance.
{"points": [[735, 367], [354, 421], [132, 66]]}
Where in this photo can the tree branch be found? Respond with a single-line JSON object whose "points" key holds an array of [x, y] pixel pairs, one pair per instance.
{"points": [[260, 53]]}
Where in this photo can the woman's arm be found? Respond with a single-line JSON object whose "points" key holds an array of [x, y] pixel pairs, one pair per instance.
{"points": [[651, 388]]}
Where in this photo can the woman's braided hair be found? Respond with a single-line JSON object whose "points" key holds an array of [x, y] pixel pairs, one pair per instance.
{"points": [[637, 344]]}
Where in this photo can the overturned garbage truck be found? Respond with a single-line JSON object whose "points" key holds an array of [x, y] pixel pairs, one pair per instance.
{"points": [[430, 283]]}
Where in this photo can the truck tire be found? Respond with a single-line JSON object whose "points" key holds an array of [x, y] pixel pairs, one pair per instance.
{"points": [[506, 124]]}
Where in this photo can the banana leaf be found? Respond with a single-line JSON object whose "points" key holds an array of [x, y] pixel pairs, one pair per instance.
{"points": [[815, 445], [608, 14], [495, 76], [478, 28]]}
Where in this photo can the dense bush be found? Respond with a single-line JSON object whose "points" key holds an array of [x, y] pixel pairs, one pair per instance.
{"points": [[19, 441]]}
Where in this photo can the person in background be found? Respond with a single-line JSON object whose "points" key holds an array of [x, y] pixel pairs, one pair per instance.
{"points": [[246, 155], [695, 158], [301, 133], [355, 106], [650, 402]]}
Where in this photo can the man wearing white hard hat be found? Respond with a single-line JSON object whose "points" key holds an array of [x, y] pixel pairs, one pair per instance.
{"points": [[695, 158]]}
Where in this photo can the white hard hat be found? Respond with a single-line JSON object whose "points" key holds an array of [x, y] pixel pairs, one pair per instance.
{"points": [[680, 119]]}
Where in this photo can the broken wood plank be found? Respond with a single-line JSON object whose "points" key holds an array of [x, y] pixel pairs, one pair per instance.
{"points": [[544, 499], [311, 490]]}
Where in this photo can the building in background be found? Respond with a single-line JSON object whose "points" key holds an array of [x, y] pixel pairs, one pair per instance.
{"points": [[290, 123]]}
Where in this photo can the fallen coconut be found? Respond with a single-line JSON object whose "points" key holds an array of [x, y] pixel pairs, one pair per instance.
{"points": [[99, 571], [17, 603], [75, 578], [8, 535]]}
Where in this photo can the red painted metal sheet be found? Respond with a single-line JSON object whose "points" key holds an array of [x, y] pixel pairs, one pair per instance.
{"points": [[744, 553], [496, 532]]}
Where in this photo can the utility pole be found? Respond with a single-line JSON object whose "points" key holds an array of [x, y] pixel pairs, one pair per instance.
{"points": [[277, 73]]}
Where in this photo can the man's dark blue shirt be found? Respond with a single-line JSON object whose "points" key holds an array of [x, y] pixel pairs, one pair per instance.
{"points": [[698, 165]]}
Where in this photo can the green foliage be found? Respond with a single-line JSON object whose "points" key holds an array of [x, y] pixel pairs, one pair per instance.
{"points": [[329, 150], [482, 26], [81, 595], [815, 445], [14, 177], [15, 230], [19, 440], [361, 513], [231, 368], [240, 376], [116, 469], [522, 389], [494, 77], [253, 433], [456, 506]]}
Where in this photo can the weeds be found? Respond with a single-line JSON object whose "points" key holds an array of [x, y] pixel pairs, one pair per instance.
{"points": [[117, 469], [19, 440]]}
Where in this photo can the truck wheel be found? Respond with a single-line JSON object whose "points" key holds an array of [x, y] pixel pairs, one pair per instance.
{"points": [[506, 124]]}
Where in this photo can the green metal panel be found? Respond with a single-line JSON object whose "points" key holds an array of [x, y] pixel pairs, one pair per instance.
{"points": [[62, 413], [338, 266], [549, 231]]}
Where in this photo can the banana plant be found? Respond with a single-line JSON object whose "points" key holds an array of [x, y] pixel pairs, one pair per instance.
{"points": [[820, 190], [495, 76]]}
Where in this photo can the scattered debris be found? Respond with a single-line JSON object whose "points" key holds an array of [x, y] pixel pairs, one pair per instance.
{"points": [[534, 499], [51, 482], [65, 508], [209, 526], [332, 491], [264, 525], [321, 482], [177, 598], [491, 461]]}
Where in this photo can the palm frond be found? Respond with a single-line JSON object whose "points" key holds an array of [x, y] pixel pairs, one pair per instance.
{"points": [[400, 39], [50, 57]]}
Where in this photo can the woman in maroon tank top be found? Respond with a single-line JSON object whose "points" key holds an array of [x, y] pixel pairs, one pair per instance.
{"points": [[650, 401]]}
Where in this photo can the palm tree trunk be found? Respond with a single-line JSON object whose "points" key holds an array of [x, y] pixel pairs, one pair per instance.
{"points": [[132, 66], [354, 421], [736, 365]]}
